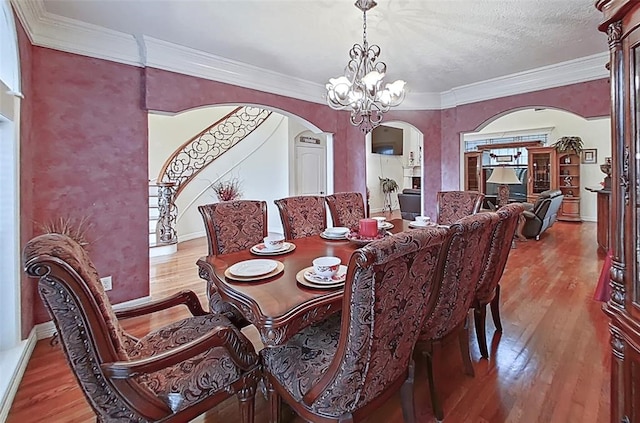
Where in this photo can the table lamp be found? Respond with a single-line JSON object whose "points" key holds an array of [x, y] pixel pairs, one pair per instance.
{"points": [[503, 176]]}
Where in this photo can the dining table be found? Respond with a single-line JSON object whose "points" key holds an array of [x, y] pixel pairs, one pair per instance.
{"points": [[280, 306]]}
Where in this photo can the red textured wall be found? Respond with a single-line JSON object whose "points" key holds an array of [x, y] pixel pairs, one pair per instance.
{"points": [[28, 293], [89, 135]]}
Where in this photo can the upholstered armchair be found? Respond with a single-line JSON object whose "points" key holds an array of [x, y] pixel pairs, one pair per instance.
{"points": [[342, 369], [543, 214], [232, 226], [347, 208], [488, 289], [454, 205], [410, 202], [302, 216], [173, 374], [464, 261]]}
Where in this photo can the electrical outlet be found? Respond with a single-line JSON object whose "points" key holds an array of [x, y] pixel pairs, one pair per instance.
{"points": [[106, 283]]}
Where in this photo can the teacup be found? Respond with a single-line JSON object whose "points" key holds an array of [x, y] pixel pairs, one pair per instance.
{"points": [[273, 242], [380, 220], [423, 220], [326, 267]]}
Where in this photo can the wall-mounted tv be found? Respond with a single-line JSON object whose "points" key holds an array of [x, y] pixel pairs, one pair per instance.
{"points": [[387, 140]]}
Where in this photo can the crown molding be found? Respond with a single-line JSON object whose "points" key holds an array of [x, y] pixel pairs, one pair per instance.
{"points": [[565, 73], [52, 31], [59, 33], [168, 56]]}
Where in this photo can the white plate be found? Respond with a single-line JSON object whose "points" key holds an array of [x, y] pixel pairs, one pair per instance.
{"points": [[251, 268], [385, 225], [338, 278]]}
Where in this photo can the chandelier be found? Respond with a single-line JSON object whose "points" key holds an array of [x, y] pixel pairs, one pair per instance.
{"points": [[360, 89]]}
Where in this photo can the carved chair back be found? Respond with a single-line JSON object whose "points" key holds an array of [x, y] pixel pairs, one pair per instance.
{"points": [[454, 205], [392, 284], [302, 216], [347, 208], [464, 261], [89, 331], [499, 248], [234, 225]]}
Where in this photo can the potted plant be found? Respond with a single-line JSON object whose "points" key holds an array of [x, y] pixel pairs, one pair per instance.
{"points": [[227, 190], [388, 186], [569, 144]]}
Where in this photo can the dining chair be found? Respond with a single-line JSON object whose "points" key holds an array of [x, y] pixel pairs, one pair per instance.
{"points": [[488, 289], [232, 226], [347, 208], [302, 216], [172, 374], [464, 261], [342, 369], [454, 205]]}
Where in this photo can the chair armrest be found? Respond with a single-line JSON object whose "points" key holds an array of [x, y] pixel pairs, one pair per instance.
{"points": [[240, 350], [527, 206], [188, 298], [529, 214]]}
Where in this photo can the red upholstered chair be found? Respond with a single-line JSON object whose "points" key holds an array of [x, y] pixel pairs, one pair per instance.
{"points": [[464, 262], [454, 205], [347, 366], [347, 208], [302, 216], [232, 226], [173, 374], [488, 290]]}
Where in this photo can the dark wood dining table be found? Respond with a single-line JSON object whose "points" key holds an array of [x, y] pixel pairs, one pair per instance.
{"points": [[279, 306]]}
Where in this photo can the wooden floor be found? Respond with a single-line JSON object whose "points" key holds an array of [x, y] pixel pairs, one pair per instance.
{"points": [[551, 364]]}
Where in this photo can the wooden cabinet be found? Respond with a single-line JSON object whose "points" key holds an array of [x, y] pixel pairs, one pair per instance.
{"points": [[622, 25], [568, 174], [542, 171], [472, 172]]}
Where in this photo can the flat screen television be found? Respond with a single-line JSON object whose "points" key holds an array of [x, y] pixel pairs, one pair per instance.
{"points": [[387, 140]]}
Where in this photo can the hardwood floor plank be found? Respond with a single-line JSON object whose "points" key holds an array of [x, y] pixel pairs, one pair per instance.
{"points": [[551, 363]]}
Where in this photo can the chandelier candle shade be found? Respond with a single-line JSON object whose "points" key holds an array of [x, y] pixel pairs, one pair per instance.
{"points": [[503, 176], [360, 89]]}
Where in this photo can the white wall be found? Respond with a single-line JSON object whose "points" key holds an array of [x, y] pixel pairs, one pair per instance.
{"points": [[595, 133], [394, 167], [168, 132], [259, 162]]}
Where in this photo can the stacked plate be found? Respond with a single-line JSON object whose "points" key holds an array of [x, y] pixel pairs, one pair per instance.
{"points": [[308, 278], [416, 224], [338, 232], [262, 250], [253, 270]]}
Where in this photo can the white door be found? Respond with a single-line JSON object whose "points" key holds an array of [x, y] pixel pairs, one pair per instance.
{"points": [[310, 168]]}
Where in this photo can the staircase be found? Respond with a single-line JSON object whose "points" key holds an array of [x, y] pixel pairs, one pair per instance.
{"points": [[156, 249]]}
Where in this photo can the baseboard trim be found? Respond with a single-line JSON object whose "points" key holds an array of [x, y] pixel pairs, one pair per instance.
{"points": [[47, 329], [24, 355]]}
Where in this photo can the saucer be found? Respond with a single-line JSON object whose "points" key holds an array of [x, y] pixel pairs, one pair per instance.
{"points": [[385, 225], [414, 224], [308, 278], [261, 249]]}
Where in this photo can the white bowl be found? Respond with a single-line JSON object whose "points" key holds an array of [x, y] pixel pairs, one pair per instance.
{"points": [[273, 242], [326, 267], [337, 231]]}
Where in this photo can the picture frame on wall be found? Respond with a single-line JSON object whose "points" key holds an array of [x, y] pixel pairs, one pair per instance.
{"points": [[589, 156]]}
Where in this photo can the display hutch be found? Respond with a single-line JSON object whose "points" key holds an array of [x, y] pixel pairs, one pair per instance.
{"points": [[622, 25], [568, 174], [473, 171], [542, 171]]}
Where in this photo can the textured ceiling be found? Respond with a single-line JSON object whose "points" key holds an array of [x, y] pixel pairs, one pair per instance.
{"points": [[435, 45]]}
